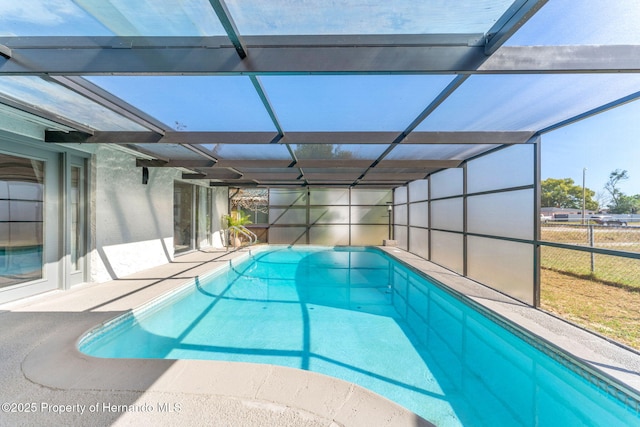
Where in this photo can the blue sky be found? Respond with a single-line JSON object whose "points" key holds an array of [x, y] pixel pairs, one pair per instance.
{"points": [[602, 144]]}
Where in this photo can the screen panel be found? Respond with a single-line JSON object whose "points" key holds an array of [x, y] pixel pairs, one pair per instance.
{"points": [[526, 102], [286, 17]]}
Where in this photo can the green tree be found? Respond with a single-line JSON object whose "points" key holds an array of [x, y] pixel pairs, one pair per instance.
{"points": [[564, 193], [618, 201], [626, 205]]}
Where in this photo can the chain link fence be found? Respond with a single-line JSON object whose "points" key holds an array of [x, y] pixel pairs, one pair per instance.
{"points": [[614, 268], [600, 291]]}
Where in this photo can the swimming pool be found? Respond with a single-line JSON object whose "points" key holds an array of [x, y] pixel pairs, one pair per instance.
{"points": [[359, 315]]}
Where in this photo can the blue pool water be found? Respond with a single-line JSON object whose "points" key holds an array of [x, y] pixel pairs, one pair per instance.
{"points": [[358, 315]]}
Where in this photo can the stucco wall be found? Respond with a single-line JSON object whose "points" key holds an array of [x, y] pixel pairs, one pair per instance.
{"points": [[131, 223]]}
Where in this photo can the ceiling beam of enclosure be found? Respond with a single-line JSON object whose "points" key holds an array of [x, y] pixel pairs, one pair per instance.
{"points": [[178, 137], [274, 55], [229, 26]]}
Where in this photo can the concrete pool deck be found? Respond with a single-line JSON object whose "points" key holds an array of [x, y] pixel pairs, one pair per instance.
{"points": [[47, 381]]}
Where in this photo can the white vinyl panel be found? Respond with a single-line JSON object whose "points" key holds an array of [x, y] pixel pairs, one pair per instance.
{"points": [[330, 235], [446, 183], [287, 235], [5, 206], [401, 236], [329, 214], [400, 195], [447, 250], [419, 214], [502, 265], [447, 214], [400, 214], [371, 197], [293, 215], [506, 168], [329, 196], [508, 214], [287, 197], [419, 241], [367, 235], [419, 190], [369, 215]]}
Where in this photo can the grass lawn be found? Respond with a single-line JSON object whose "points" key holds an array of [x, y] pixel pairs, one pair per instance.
{"points": [[611, 311]]}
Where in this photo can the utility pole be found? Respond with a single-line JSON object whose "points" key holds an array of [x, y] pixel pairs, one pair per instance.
{"points": [[584, 195]]}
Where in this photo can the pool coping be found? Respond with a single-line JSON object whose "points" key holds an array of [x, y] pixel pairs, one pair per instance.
{"points": [[56, 363], [609, 366]]}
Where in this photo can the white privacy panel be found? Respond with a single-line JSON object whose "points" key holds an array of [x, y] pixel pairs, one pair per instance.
{"points": [[370, 197], [400, 234], [287, 197], [419, 241], [506, 168], [419, 190], [287, 235], [329, 196], [502, 265], [507, 214], [447, 214], [363, 235], [292, 215], [328, 215], [419, 214], [447, 250], [369, 215], [400, 214], [400, 195], [446, 183], [330, 235]]}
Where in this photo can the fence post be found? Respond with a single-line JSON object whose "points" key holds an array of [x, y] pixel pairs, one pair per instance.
{"points": [[591, 244]]}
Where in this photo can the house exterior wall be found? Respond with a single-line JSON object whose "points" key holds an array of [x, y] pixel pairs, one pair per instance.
{"points": [[127, 226], [131, 223]]}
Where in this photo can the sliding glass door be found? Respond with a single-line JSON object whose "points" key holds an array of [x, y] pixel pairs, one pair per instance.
{"points": [[192, 217], [183, 217], [22, 189], [42, 220]]}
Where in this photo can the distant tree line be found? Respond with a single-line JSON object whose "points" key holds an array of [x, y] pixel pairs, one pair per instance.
{"points": [[564, 193]]}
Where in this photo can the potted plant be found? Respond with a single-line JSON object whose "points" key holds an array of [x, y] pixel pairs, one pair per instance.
{"points": [[236, 219]]}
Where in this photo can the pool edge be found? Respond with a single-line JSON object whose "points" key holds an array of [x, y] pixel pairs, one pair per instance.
{"points": [[604, 372]]}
